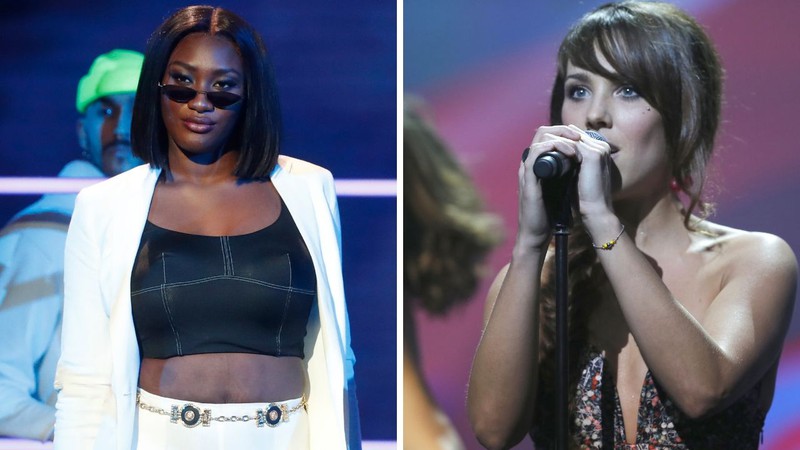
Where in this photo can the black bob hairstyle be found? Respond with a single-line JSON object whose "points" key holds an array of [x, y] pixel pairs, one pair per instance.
{"points": [[257, 133]]}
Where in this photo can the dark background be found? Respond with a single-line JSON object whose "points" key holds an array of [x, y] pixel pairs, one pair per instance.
{"points": [[335, 64]]}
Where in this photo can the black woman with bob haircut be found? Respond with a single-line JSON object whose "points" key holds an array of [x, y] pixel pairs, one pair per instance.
{"points": [[204, 302], [676, 323]]}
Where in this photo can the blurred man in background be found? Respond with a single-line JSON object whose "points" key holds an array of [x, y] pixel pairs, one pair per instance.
{"points": [[32, 250]]}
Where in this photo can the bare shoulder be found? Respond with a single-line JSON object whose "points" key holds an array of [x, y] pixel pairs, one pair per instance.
{"points": [[750, 253]]}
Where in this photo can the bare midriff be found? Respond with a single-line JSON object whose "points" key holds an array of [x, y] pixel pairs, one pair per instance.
{"points": [[224, 377]]}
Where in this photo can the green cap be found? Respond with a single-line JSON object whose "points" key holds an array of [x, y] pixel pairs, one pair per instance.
{"points": [[114, 72]]}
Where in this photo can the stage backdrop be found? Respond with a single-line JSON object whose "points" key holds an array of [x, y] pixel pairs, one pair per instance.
{"points": [[335, 64], [487, 68]]}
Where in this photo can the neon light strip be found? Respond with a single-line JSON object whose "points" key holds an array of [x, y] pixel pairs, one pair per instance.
{"points": [[379, 445], [25, 444], [44, 185], [366, 188]]}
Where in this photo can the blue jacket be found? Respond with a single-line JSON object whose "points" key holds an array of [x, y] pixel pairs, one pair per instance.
{"points": [[31, 295]]}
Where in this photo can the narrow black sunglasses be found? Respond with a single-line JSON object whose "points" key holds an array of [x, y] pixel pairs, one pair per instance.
{"points": [[182, 94]]}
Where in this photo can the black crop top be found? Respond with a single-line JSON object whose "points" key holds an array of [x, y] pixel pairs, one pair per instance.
{"points": [[196, 294]]}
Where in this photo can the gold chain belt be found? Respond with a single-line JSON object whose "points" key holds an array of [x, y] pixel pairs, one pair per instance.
{"points": [[191, 416]]}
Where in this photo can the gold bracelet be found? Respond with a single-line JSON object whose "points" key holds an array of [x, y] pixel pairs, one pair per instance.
{"points": [[610, 244]]}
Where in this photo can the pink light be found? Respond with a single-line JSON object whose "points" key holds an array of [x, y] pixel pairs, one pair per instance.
{"points": [[44, 185], [366, 188]]}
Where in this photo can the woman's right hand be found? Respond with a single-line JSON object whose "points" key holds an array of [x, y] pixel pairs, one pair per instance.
{"points": [[534, 229], [505, 369]]}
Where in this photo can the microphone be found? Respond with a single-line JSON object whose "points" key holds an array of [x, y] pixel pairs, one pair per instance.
{"points": [[551, 165]]}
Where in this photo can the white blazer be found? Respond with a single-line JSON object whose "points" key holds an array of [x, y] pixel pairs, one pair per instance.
{"points": [[98, 371]]}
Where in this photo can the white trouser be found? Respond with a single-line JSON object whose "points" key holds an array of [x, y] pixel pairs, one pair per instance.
{"points": [[155, 431]]}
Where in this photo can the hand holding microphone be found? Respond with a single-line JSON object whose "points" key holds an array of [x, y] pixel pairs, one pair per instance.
{"points": [[553, 164], [557, 174]]}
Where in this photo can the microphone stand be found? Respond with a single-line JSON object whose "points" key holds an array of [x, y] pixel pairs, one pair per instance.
{"points": [[558, 194]]}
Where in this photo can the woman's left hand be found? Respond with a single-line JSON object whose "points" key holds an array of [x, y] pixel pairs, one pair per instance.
{"points": [[594, 178]]}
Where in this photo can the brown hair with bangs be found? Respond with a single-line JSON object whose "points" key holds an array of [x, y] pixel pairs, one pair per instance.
{"points": [[669, 59]]}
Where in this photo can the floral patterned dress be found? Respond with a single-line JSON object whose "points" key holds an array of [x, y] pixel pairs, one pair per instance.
{"points": [[660, 424]]}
